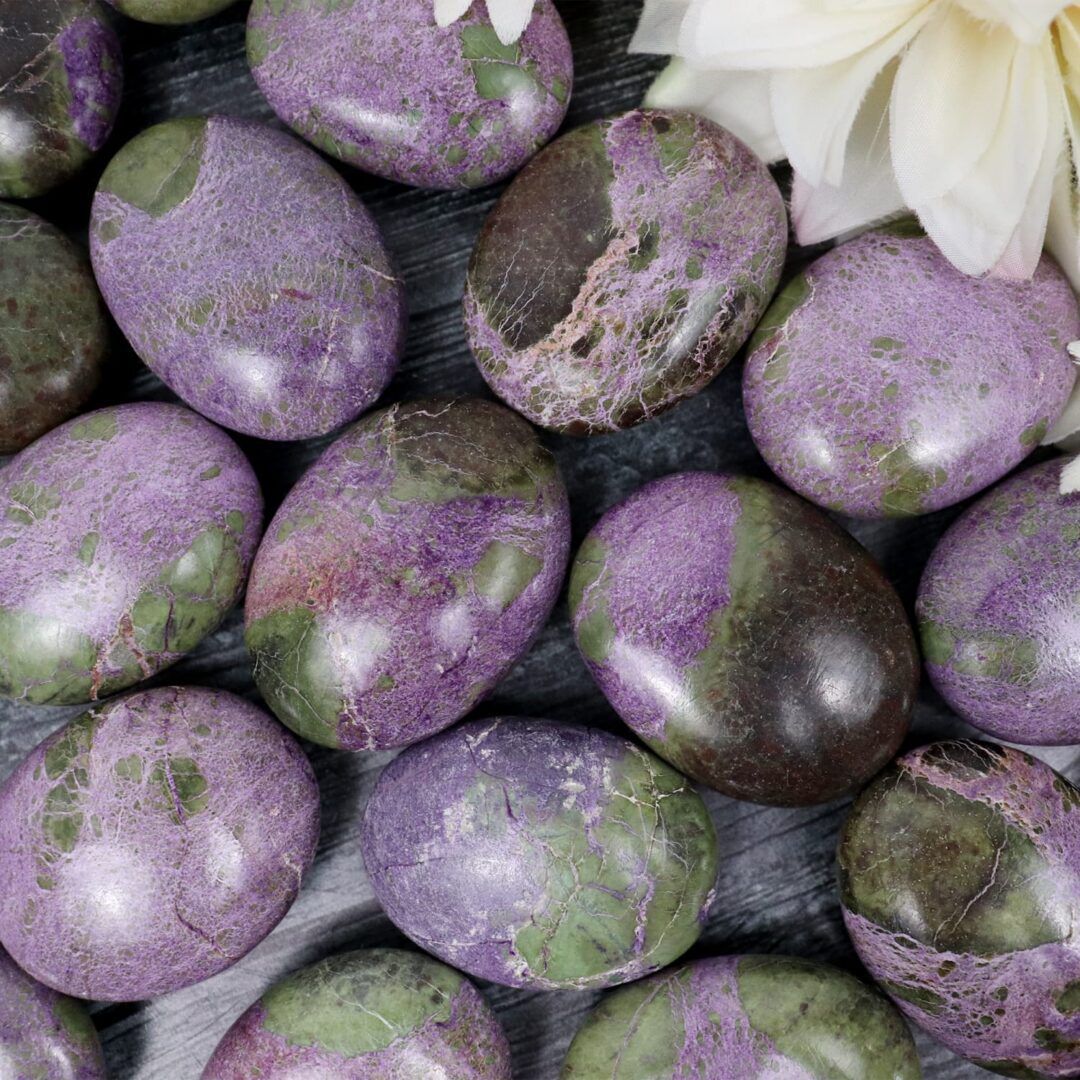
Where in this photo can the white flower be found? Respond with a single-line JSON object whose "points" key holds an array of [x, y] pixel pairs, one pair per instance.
{"points": [[508, 17], [965, 111]]}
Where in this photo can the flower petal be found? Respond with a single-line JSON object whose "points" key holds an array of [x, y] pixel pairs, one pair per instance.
{"points": [[1070, 477], [449, 11], [1027, 19], [736, 100], [509, 18], [658, 28]]}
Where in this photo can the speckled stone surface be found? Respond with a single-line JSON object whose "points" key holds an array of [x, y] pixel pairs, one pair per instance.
{"points": [[999, 611], [745, 637], [44, 1035], [622, 270], [884, 383], [248, 276], [153, 842], [406, 573], [170, 12], [53, 333], [960, 879], [541, 855], [740, 1018], [61, 77], [450, 107], [376, 1014], [125, 537]]}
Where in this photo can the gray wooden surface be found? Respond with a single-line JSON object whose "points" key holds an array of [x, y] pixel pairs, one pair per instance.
{"points": [[776, 891]]}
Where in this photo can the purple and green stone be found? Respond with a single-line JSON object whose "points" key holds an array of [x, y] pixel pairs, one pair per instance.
{"points": [[406, 573], [960, 882], [378, 84], [61, 78], [745, 638], [540, 855], [738, 1017], [170, 12], [53, 332], [375, 1014], [622, 270]]}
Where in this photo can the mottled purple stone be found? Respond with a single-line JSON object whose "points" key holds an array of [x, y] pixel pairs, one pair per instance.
{"points": [[999, 611], [960, 881], [378, 84], [883, 382], [248, 276], [622, 270], [125, 537], [744, 1018], [542, 855], [376, 1014], [61, 79], [407, 573], [152, 843], [746, 638], [44, 1035]]}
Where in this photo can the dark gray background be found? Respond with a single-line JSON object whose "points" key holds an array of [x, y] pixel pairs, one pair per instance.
{"points": [[776, 890]]}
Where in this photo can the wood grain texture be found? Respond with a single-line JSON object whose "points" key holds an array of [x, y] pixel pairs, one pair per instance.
{"points": [[776, 891]]}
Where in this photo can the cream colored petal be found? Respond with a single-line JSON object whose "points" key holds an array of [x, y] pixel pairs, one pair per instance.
{"points": [[510, 18], [658, 28], [1026, 19], [736, 100], [449, 11], [1070, 477]]}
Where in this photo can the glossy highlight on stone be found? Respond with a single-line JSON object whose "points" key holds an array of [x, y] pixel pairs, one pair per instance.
{"points": [[960, 882], [378, 84], [883, 382], [406, 573], [743, 1018], [745, 638], [622, 270], [999, 611], [248, 276], [541, 855], [42, 1033], [170, 12], [375, 1014], [61, 78], [125, 537], [152, 843], [53, 333]]}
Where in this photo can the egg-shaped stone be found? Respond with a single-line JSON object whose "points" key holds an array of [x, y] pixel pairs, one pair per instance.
{"points": [[541, 855], [43, 1033], [999, 611], [248, 276], [883, 382], [745, 638], [125, 536], [740, 1018], [380, 85], [53, 333], [61, 78], [170, 12], [960, 883], [375, 1014], [406, 573], [153, 842], [622, 270]]}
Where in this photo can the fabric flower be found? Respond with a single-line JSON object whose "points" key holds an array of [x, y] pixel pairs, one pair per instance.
{"points": [[508, 17], [965, 111]]}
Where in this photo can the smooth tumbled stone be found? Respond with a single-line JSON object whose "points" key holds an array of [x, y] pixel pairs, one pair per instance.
{"points": [[623, 269], [960, 883], [378, 84], [61, 78], [170, 12], [746, 638], [125, 537], [42, 1033], [153, 842], [406, 573], [883, 382], [999, 611], [376, 1014], [742, 1017], [248, 276], [541, 855], [53, 333]]}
